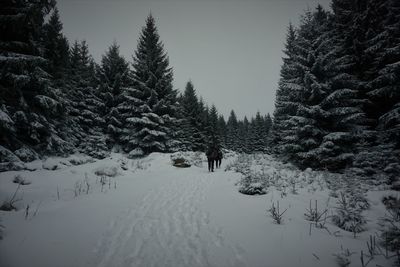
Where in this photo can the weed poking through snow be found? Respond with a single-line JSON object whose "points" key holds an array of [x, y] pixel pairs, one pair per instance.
{"points": [[275, 213]]}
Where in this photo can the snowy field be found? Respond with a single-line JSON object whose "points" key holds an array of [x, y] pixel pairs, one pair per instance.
{"points": [[146, 212]]}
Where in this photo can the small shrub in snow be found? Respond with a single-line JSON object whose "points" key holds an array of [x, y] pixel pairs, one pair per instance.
{"points": [[343, 258], [252, 188], [136, 153], [124, 165], [104, 180], [253, 184], [140, 165], [292, 183], [188, 158], [107, 171], [358, 199], [348, 215], [275, 213], [392, 203], [77, 188], [18, 179], [241, 165], [81, 160], [50, 165], [80, 187], [316, 216], [180, 163], [9, 205], [390, 224]]}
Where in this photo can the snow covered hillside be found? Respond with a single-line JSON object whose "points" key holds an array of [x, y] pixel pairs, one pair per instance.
{"points": [[146, 212]]}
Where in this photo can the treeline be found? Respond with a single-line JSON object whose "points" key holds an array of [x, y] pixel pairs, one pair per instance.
{"points": [[338, 101], [203, 125], [55, 99]]}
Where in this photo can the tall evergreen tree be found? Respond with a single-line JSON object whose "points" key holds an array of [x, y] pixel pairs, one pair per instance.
{"points": [[346, 120], [232, 132], [113, 75], [56, 46], [268, 124], [27, 98], [204, 125], [222, 131], [246, 139], [114, 70], [191, 112], [213, 121], [383, 41], [85, 105], [152, 129], [311, 47], [285, 106], [258, 143]]}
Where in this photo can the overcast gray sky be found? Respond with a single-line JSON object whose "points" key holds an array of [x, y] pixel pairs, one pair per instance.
{"points": [[230, 49]]}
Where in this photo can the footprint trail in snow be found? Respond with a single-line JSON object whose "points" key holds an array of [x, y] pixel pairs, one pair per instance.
{"points": [[168, 227]]}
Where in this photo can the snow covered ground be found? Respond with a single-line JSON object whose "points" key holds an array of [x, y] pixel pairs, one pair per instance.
{"points": [[122, 212]]}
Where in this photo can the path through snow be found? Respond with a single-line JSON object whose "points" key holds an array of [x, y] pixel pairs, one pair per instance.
{"points": [[169, 227]]}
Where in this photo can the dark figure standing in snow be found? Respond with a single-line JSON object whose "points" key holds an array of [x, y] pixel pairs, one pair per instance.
{"points": [[218, 160], [211, 154]]}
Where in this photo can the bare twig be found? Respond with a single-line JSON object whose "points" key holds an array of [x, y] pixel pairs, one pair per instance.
{"points": [[37, 209], [27, 211], [316, 256], [276, 214]]}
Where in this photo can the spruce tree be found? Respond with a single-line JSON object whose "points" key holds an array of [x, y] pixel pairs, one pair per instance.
{"points": [[153, 128], [285, 105], [56, 46], [383, 87], [241, 137], [191, 111], [204, 125], [27, 97], [113, 75], [114, 70], [232, 132], [252, 136], [213, 121], [346, 121], [222, 131], [267, 126], [86, 108], [311, 50], [258, 134]]}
